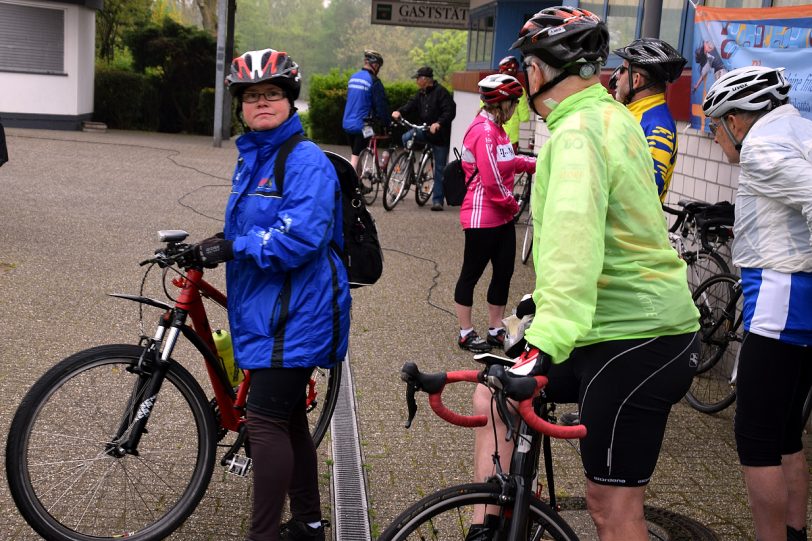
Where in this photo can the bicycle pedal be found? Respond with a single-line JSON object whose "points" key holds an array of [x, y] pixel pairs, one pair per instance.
{"points": [[239, 465]]}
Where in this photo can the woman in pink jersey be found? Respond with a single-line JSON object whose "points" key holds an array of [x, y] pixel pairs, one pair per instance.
{"points": [[488, 210]]}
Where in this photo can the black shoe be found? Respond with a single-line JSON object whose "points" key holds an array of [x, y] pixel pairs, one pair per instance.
{"points": [[293, 530], [437, 206], [497, 340], [570, 418], [473, 342]]}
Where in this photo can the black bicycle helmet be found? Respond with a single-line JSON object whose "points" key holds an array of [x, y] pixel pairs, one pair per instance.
{"points": [[266, 65], [373, 57], [563, 36], [658, 58]]}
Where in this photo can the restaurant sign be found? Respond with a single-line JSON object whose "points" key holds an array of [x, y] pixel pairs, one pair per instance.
{"points": [[420, 14]]}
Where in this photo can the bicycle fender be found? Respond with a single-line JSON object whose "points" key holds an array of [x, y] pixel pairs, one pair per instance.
{"points": [[142, 300]]}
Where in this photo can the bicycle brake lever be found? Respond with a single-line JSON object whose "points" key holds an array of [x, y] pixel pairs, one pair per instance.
{"points": [[411, 403]]}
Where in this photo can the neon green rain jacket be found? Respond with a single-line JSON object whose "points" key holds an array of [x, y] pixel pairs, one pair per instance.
{"points": [[604, 267]]}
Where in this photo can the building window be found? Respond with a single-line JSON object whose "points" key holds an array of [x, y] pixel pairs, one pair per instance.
{"points": [[621, 16], [480, 43], [735, 3], [671, 19], [32, 39]]}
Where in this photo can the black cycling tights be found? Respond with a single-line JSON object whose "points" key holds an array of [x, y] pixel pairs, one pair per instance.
{"points": [[496, 245], [284, 457]]}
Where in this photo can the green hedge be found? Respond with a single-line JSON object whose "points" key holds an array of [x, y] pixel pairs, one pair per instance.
{"points": [[126, 100]]}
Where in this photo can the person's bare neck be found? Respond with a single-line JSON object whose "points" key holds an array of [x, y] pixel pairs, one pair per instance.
{"points": [[564, 89]]}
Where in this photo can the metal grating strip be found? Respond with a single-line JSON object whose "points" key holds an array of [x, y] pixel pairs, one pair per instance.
{"points": [[350, 506]]}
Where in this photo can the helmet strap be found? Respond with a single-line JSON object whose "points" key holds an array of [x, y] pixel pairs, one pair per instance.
{"points": [[632, 90], [544, 88], [736, 143]]}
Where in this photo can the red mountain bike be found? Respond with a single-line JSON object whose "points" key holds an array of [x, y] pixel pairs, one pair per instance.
{"points": [[120, 440]]}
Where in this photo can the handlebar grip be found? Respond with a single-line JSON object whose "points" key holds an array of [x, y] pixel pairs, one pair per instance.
{"points": [[543, 427], [470, 421]]}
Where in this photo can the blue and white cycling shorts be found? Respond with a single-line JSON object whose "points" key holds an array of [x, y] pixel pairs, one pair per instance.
{"points": [[778, 305]]}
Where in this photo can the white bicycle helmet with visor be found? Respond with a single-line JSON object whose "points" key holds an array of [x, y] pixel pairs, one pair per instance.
{"points": [[265, 66], [751, 88]]}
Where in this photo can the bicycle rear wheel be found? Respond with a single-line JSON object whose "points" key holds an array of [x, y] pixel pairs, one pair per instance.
{"points": [[397, 183], [65, 474], [719, 302], [521, 191], [321, 399], [370, 176], [425, 181], [446, 515]]}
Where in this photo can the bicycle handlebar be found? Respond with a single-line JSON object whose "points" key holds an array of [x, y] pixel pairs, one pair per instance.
{"points": [[421, 127], [520, 388]]}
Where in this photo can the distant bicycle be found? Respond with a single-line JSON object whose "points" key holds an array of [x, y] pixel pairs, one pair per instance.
{"points": [[522, 183], [410, 167], [527, 243], [373, 166]]}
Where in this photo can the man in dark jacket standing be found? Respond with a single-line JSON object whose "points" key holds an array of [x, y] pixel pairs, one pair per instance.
{"points": [[434, 106]]}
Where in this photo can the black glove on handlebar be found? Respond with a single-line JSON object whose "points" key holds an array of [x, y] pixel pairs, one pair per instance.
{"points": [[214, 250]]}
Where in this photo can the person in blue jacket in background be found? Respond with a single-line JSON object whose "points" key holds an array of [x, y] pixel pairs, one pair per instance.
{"points": [[288, 294], [366, 98]]}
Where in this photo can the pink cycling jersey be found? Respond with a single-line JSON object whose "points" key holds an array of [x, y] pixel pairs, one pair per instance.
{"points": [[489, 201]]}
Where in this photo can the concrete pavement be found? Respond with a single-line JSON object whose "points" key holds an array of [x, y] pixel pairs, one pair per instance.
{"points": [[78, 211]]}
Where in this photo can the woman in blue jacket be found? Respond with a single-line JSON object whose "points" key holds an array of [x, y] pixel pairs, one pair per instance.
{"points": [[288, 295]]}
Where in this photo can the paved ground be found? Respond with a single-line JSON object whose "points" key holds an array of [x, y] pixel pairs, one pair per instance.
{"points": [[79, 210]]}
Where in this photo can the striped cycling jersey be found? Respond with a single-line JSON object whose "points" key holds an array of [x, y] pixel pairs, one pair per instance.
{"points": [[661, 133], [778, 305]]}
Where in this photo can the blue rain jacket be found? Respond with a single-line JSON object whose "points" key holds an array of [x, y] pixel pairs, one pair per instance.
{"points": [[288, 295]]}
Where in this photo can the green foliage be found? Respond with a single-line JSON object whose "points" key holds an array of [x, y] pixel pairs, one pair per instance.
{"points": [[184, 57], [114, 20], [444, 52], [125, 100], [328, 96]]}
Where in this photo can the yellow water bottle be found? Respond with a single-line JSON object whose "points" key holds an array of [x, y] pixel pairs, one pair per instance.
{"points": [[222, 341]]}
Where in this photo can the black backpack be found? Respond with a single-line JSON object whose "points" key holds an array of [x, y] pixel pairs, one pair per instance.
{"points": [[362, 254], [455, 185]]}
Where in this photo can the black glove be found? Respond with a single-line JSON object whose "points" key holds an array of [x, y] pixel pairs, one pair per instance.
{"points": [[214, 250], [526, 308], [532, 362]]}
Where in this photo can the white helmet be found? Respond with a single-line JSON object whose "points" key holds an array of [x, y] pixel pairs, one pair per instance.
{"points": [[499, 87], [751, 88]]}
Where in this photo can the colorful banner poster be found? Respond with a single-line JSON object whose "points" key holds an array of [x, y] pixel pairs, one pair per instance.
{"points": [[729, 38]]}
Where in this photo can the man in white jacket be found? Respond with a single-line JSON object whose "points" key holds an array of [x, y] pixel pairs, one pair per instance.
{"points": [[756, 126]]}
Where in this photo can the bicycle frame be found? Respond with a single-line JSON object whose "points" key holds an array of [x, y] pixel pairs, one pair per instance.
{"points": [[171, 325]]}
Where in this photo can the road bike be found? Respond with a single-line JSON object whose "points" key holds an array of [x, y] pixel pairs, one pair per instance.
{"points": [[512, 498], [120, 440], [373, 167], [699, 239], [412, 166]]}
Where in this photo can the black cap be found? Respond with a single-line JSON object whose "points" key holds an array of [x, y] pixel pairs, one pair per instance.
{"points": [[425, 71]]}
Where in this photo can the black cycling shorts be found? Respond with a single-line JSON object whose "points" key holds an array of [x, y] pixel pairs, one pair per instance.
{"points": [[357, 142], [772, 383], [625, 390]]}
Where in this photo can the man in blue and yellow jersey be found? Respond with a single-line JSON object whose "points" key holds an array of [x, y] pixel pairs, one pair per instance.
{"points": [[649, 64]]}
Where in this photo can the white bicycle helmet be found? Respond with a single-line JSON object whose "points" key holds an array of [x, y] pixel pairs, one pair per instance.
{"points": [[499, 87], [751, 88]]}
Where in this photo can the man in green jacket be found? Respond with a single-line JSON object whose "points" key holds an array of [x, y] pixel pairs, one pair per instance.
{"points": [[614, 326]]}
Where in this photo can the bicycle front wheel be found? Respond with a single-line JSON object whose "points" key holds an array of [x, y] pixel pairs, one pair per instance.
{"points": [[527, 243], [397, 183], [719, 302], [703, 265], [425, 180], [65, 473], [370, 176], [446, 515]]}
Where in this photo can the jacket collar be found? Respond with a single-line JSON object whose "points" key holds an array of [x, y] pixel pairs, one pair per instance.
{"points": [[268, 142], [638, 107]]}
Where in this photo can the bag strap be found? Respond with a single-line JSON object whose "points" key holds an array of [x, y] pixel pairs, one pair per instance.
{"points": [[281, 157], [459, 157]]}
